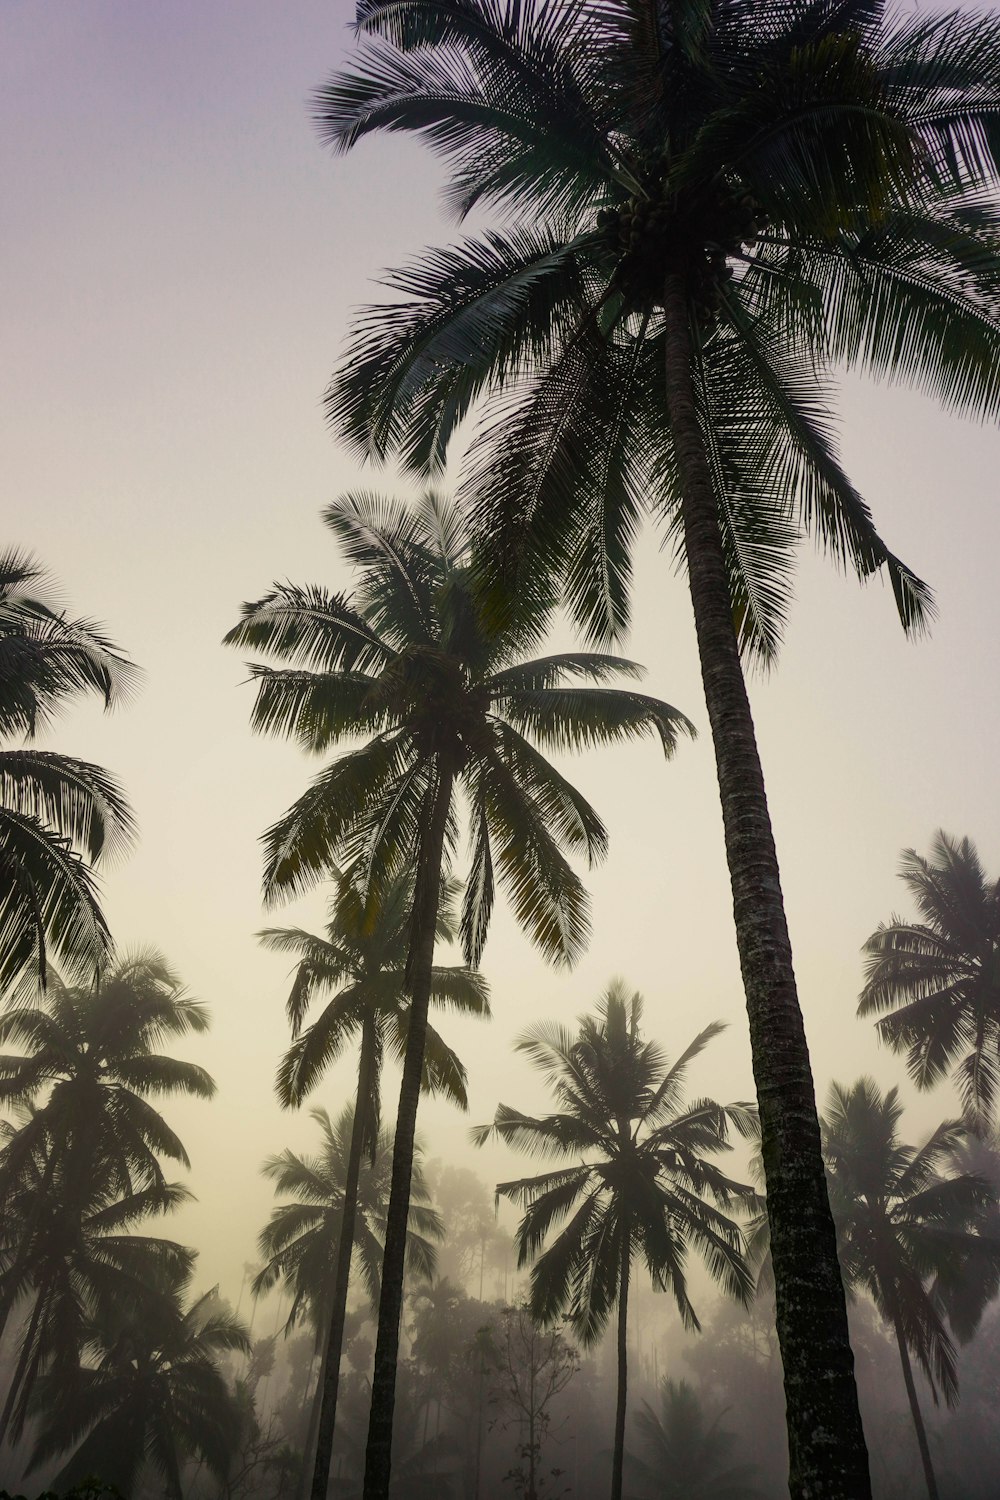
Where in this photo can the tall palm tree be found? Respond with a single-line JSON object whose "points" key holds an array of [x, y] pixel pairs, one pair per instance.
{"points": [[450, 704], [917, 1237], [935, 983], [363, 960], [58, 815], [687, 1457], [706, 205], [152, 1397], [641, 1182]]}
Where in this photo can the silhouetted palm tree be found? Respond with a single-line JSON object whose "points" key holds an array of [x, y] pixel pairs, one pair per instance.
{"points": [[936, 983], [685, 1456], [363, 960], [449, 703], [706, 206], [58, 815], [911, 1235], [637, 1186], [152, 1397]]}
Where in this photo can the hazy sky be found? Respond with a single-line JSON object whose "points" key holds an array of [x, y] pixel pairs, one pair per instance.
{"points": [[178, 262]]}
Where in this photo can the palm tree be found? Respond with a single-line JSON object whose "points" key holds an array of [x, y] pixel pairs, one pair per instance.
{"points": [[153, 1397], [58, 815], [936, 983], [688, 1458], [638, 1183], [918, 1238], [84, 1255], [449, 703], [706, 205], [363, 959]]}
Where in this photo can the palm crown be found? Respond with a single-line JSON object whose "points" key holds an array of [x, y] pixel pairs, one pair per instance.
{"points": [[299, 1244], [687, 1457], [935, 983], [818, 178], [58, 815], [412, 663]]}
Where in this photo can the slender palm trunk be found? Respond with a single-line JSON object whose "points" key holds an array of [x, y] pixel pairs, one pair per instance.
{"points": [[828, 1458], [419, 964], [918, 1421], [618, 1459], [330, 1369]]}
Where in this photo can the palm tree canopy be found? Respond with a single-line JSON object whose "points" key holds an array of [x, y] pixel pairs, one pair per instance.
{"points": [[152, 1392], [685, 1456], [822, 177], [362, 959], [299, 1243], [58, 815], [641, 1179], [916, 1235], [935, 983], [410, 662]]}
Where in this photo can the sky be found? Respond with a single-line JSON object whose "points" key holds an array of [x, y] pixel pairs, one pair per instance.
{"points": [[179, 262]]}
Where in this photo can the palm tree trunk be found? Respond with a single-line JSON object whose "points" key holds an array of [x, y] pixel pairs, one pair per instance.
{"points": [[918, 1421], [330, 1369], [419, 964], [618, 1459], [828, 1458]]}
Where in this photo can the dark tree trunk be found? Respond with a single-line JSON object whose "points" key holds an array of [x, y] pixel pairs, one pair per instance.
{"points": [[918, 1421], [330, 1369], [618, 1458], [419, 964], [828, 1458]]}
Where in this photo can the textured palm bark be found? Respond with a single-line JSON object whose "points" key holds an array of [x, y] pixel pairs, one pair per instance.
{"points": [[918, 1421], [618, 1457], [419, 964], [828, 1459], [330, 1371]]}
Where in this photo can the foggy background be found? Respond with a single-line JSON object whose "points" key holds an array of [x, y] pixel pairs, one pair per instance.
{"points": [[178, 264]]}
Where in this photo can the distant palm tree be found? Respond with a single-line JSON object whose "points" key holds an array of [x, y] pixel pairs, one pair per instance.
{"points": [[58, 815], [152, 1397], [685, 1456], [299, 1243], [936, 983], [637, 1186], [362, 960], [705, 208], [918, 1239], [449, 703]]}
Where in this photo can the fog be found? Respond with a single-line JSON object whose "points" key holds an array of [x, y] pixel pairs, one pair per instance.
{"points": [[180, 263]]}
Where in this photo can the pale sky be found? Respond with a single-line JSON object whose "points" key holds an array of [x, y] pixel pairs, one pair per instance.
{"points": [[178, 263]]}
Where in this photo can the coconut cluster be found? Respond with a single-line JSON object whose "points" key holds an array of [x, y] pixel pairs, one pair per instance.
{"points": [[699, 231]]}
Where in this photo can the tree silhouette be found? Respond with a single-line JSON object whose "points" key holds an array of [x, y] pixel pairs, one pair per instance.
{"points": [[638, 1183], [363, 960], [705, 208], [58, 815], [935, 984], [687, 1457], [920, 1240], [450, 703]]}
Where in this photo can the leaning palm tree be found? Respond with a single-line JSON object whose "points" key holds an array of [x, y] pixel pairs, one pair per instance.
{"points": [[362, 960], [685, 1456], [919, 1238], [640, 1182], [449, 704], [935, 983], [89, 1068], [58, 815], [706, 206], [152, 1397]]}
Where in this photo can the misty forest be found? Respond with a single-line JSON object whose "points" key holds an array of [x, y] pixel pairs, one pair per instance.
{"points": [[683, 227]]}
